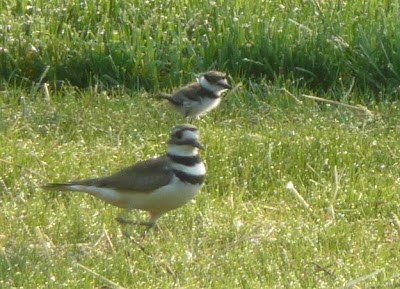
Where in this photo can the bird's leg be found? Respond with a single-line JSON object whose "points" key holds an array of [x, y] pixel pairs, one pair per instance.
{"points": [[151, 223], [121, 219], [188, 111], [154, 216], [133, 222], [191, 119], [149, 226]]}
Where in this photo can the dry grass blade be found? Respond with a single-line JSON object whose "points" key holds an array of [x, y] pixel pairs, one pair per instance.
{"points": [[104, 279], [353, 283], [396, 222], [292, 95], [250, 236], [5, 106], [356, 107], [46, 93], [104, 236], [335, 192], [10, 266], [45, 241], [290, 187], [24, 168]]}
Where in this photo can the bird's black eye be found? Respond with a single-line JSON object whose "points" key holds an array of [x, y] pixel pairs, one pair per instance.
{"points": [[178, 134]]}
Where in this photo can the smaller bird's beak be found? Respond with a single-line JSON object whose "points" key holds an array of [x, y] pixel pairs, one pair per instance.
{"points": [[198, 145], [227, 86], [224, 84]]}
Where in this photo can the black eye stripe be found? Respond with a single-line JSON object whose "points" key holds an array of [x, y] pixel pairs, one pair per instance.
{"points": [[192, 129], [214, 78], [178, 130], [179, 133]]}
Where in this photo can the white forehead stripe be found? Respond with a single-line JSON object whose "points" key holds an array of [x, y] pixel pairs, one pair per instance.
{"points": [[212, 87], [190, 134], [223, 81]]}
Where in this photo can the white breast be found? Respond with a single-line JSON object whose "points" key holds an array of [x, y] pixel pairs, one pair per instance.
{"points": [[201, 107], [169, 197], [173, 195], [197, 170]]}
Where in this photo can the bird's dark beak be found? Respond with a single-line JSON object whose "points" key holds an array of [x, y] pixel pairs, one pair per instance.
{"points": [[223, 83], [227, 86], [198, 145]]}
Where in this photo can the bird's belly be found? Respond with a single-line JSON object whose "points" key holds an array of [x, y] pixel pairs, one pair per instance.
{"points": [[111, 196], [169, 197], [204, 105]]}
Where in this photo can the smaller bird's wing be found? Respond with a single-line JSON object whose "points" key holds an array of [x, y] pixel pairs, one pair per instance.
{"points": [[142, 177], [189, 92], [175, 101]]}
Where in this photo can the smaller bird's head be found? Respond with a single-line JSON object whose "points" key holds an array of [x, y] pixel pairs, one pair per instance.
{"points": [[215, 81], [185, 136]]}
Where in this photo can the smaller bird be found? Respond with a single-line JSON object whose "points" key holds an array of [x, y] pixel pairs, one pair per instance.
{"points": [[156, 185], [197, 98]]}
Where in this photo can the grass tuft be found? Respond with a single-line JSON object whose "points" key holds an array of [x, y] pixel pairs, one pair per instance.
{"points": [[151, 45], [244, 225]]}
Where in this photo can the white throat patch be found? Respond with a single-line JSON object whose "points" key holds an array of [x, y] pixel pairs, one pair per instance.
{"points": [[212, 87], [182, 150]]}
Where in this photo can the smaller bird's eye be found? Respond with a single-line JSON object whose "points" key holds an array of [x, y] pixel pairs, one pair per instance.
{"points": [[178, 134]]}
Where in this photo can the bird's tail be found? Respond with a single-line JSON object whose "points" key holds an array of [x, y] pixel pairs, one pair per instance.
{"points": [[58, 187], [170, 98], [164, 96]]}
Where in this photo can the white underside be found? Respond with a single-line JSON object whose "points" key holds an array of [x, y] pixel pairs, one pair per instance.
{"points": [[196, 108], [169, 197], [197, 170]]}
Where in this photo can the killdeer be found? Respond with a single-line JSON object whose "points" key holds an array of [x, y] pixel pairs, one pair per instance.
{"points": [[198, 98], [156, 185]]}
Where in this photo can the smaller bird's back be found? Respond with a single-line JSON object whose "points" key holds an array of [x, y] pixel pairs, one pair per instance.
{"points": [[198, 98]]}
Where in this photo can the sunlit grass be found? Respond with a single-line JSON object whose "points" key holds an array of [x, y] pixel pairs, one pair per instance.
{"points": [[245, 229], [153, 44]]}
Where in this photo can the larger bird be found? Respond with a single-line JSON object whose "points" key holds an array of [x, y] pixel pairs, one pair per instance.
{"points": [[156, 185], [197, 98]]}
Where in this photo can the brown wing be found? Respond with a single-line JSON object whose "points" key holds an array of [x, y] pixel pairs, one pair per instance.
{"points": [[188, 92], [144, 176]]}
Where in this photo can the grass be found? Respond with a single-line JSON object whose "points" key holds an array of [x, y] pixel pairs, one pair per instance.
{"points": [[300, 192], [244, 230], [152, 44]]}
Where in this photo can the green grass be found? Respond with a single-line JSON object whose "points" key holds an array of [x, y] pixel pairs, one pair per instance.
{"points": [[100, 60], [244, 230], [156, 44]]}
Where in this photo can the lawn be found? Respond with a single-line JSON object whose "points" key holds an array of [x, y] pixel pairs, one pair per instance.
{"points": [[303, 177], [245, 229], [154, 44]]}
